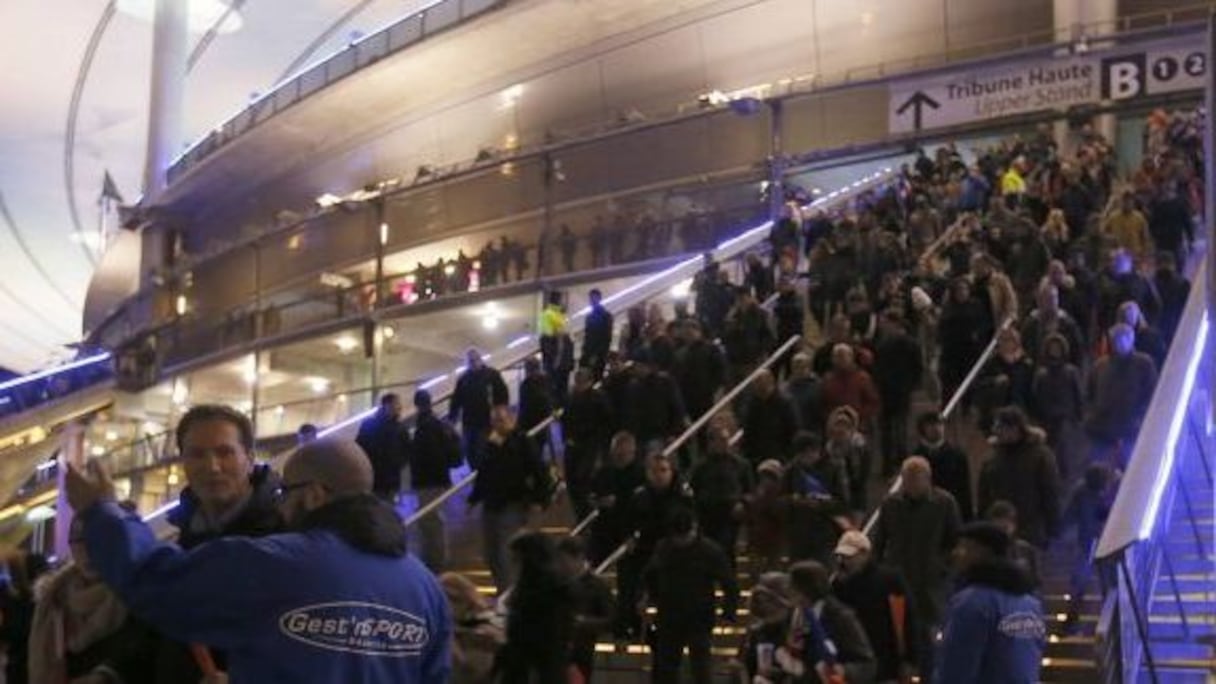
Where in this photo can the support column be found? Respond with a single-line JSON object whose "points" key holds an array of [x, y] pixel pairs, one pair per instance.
{"points": [[776, 161], [1091, 19], [167, 95]]}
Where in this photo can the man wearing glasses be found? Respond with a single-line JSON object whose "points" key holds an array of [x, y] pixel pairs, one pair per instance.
{"points": [[338, 599]]}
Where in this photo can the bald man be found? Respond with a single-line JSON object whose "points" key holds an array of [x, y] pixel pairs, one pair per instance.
{"points": [[337, 600], [915, 534]]}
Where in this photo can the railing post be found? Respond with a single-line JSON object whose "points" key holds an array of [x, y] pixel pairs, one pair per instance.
{"points": [[1190, 514], [1139, 617], [1169, 570]]}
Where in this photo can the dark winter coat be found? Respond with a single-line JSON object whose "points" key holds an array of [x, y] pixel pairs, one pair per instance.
{"points": [[477, 391], [434, 450], [615, 523], [1025, 475], [748, 337], [597, 336], [769, 428], [588, 420], [915, 537], [816, 497], [511, 474], [869, 593], [898, 365], [951, 472], [386, 441], [535, 401], [650, 509], [1120, 388], [681, 579], [806, 395], [653, 408], [700, 372]]}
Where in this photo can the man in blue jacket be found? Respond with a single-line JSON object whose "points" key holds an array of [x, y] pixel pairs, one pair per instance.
{"points": [[994, 628], [338, 600]]}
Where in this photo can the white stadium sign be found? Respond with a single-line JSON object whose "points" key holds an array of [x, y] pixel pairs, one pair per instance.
{"points": [[964, 96]]}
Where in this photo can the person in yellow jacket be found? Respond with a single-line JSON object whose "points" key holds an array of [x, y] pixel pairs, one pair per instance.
{"points": [[1129, 229], [1013, 184], [556, 347]]}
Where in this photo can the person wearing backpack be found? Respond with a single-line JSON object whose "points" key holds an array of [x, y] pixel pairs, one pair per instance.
{"points": [[434, 450]]}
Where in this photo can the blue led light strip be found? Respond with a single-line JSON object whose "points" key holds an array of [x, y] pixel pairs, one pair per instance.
{"points": [[1166, 465], [48, 372]]}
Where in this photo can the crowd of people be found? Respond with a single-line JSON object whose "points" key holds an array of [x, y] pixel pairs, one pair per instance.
{"points": [[305, 576], [623, 237]]}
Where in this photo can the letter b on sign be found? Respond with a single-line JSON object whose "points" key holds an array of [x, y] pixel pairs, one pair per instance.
{"points": [[1123, 77]]}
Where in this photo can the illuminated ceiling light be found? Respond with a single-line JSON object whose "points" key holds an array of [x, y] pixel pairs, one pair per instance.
{"points": [[280, 409], [203, 14], [181, 305], [384, 233], [111, 435], [490, 322], [295, 241], [97, 450], [173, 479], [507, 169], [317, 384], [249, 369], [346, 344], [180, 393], [40, 514], [682, 289], [342, 399], [449, 269], [388, 331], [511, 141], [87, 238], [327, 200], [510, 96]]}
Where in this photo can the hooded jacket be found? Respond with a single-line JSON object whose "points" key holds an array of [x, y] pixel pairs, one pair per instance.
{"points": [[994, 630], [358, 607], [1025, 475]]}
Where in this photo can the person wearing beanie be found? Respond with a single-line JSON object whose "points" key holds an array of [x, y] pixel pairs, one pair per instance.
{"points": [[994, 630]]}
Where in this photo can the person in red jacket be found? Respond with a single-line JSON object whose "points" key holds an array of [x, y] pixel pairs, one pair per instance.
{"points": [[848, 385]]}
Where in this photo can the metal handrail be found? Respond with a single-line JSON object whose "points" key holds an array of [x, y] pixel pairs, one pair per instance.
{"points": [[743, 384], [948, 411], [1135, 540], [1149, 464], [588, 519], [442, 498], [693, 429]]}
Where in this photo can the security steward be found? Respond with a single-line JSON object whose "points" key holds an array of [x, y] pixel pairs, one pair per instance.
{"points": [[339, 599]]}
